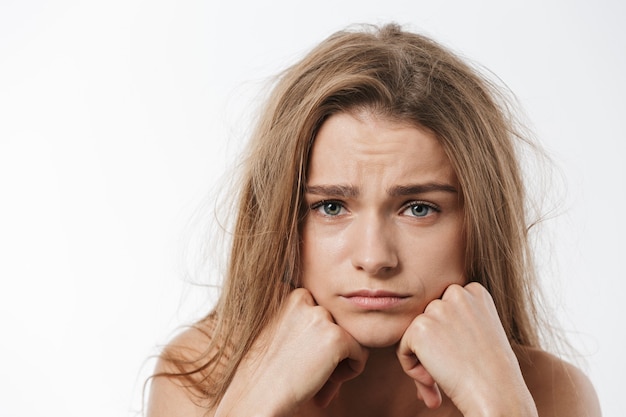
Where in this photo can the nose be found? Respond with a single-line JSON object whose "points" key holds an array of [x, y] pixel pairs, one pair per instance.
{"points": [[373, 246]]}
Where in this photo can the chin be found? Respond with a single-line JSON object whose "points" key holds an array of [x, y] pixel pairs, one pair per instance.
{"points": [[377, 342], [375, 333]]}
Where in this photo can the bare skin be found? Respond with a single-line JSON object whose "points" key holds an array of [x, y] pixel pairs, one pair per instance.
{"points": [[558, 389], [385, 324]]}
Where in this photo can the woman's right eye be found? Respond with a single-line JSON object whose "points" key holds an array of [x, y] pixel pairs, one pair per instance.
{"points": [[329, 208]]}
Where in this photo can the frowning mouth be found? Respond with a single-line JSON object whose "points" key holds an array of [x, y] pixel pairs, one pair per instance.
{"points": [[375, 299]]}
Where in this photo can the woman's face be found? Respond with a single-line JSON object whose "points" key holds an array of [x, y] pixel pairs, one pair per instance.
{"points": [[384, 232]]}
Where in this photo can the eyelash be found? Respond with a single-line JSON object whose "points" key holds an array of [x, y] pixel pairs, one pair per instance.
{"points": [[429, 206], [407, 206], [325, 202]]}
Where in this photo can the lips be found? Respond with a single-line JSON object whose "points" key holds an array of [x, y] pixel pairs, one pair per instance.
{"points": [[375, 299]]}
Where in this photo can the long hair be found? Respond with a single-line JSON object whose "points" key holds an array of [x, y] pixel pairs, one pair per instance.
{"points": [[404, 77]]}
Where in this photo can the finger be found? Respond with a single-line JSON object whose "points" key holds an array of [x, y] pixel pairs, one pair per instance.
{"points": [[344, 371], [347, 369], [430, 394], [453, 291], [406, 356], [480, 293], [354, 359], [475, 288], [419, 374], [326, 394], [427, 389], [303, 295]]}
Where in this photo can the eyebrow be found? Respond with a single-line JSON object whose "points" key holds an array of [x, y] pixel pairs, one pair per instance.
{"points": [[349, 191], [404, 190], [332, 190]]}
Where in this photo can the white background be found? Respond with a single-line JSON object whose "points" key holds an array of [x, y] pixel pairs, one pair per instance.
{"points": [[118, 118]]}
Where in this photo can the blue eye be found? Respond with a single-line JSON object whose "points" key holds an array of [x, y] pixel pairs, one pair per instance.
{"points": [[328, 208], [420, 209]]}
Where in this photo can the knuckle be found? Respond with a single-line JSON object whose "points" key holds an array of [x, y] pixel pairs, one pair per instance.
{"points": [[476, 288], [300, 295], [335, 335], [434, 308], [331, 339], [421, 325], [480, 292], [454, 291], [321, 315]]}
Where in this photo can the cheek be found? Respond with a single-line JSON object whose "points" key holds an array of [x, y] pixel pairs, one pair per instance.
{"points": [[317, 258], [440, 263], [452, 245], [456, 257]]}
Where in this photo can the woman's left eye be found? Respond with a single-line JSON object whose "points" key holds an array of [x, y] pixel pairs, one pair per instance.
{"points": [[419, 209]]}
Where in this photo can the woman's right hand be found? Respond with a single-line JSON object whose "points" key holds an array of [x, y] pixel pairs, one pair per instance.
{"points": [[302, 355]]}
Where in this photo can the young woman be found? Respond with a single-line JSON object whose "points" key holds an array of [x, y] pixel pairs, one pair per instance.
{"points": [[380, 262]]}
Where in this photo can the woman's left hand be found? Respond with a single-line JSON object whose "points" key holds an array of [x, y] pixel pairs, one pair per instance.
{"points": [[458, 345]]}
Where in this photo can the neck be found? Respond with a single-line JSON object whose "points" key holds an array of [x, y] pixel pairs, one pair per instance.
{"points": [[383, 389]]}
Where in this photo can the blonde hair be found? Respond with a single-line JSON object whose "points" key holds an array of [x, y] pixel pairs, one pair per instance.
{"points": [[404, 77]]}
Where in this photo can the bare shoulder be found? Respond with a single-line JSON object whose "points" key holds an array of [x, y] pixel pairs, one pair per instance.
{"points": [[558, 387], [170, 395]]}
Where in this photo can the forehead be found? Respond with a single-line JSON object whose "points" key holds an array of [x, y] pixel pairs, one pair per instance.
{"points": [[359, 147]]}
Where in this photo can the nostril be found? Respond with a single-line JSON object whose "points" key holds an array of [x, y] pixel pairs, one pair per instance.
{"points": [[380, 267]]}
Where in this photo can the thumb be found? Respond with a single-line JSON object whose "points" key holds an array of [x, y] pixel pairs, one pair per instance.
{"points": [[347, 369], [427, 389], [430, 394]]}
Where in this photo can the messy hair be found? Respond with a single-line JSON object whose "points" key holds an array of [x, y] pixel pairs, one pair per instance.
{"points": [[403, 77]]}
